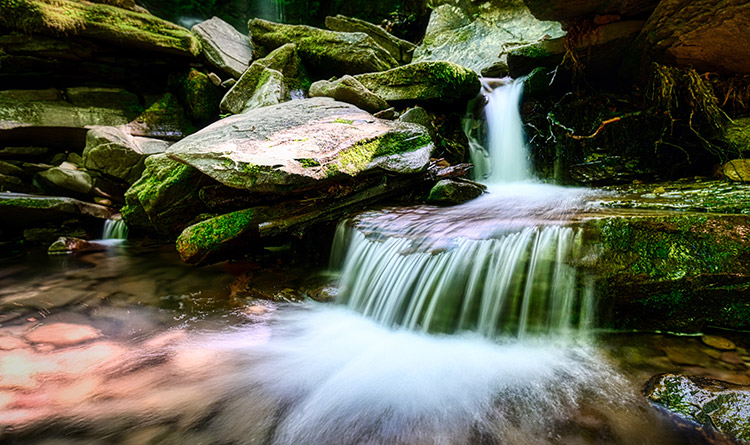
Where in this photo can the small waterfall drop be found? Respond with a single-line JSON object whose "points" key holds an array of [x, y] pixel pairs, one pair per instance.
{"points": [[114, 229]]}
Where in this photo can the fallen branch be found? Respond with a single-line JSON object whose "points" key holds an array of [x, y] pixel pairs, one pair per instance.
{"points": [[601, 127]]}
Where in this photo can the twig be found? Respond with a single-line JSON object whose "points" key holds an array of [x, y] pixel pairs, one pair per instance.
{"points": [[603, 124]]}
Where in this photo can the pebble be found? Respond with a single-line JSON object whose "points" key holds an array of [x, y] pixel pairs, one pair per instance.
{"points": [[719, 343], [62, 334]]}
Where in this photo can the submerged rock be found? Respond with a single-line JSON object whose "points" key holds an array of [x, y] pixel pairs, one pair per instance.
{"points": [[349, 90], [423, 82], [401, 50], [224, 47], [325, 52], [717, 406], [67, 244], [449, 191]]}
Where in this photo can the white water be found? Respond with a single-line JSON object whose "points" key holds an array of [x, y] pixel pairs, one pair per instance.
{"points": [[115, 229]]}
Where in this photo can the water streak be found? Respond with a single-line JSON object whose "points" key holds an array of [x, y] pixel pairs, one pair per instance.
{"points": [[115, 229]]}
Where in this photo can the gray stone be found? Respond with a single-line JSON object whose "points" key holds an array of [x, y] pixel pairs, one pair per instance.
{"points": [[63, 179], [349, 90], [479, 40], [328, 53], [165, 118], [423, 82], [449, 191], [297, 144], [418, 115], [21, 210], [225, 48], [401, 50], [114, 153]]}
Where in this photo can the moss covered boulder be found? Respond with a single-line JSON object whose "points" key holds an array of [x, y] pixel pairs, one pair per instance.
{"points": [[327, 53], [720, 408], [737, 170], [350, 90], [451, 192], [400, 49], [423, 82], [99, 22], [20, 210], [301, 145]]}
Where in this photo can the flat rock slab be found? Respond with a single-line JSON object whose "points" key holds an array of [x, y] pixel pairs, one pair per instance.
{"points": [[19, 209], [294, 145], [225, 48]]}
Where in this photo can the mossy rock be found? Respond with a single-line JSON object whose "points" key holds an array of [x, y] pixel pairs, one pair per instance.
{"points": [[423, 82], [200, 96], [450, 192], [99, 22], [165, 118]]}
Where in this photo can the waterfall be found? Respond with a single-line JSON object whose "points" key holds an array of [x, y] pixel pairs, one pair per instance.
{"points": [[115, 228]]}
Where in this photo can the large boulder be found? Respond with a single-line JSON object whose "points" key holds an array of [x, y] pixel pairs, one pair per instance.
{"points": [[567, 10], [401, 50], [350, 90], [480, 39], [708, 35], [719, 407], [117, 154], [66, 180], [300, 144], [98, 22], [225, 48], [423, 82], [328, 53]]}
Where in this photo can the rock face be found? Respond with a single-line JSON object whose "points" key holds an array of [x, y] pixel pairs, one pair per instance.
{"points": [[737, 170], [99, 22], [328, 53], [480, 39], [116, 154], [401, 50], [423, 82], [566, 10], [349, 90], [292, 146], [707, 35], [717, 406], [225, 48]]}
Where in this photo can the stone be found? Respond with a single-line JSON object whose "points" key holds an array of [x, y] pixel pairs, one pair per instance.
{"points": [[62, 334], [225, 48], [6, 168], [266, 82], [117, 154], [716, 405], [47, 235], [103, 23], [298, 144], [163, 119], [10, 183], [62, 179], [200, 96], [401, 50], [350, 90], [388, 113], [21, 210], [22, 152], [567, 10], [479, 38], [423, 82], [419, 115], [451, 192], [215, 79], [737, 135], [717, 342], [97, 96], [705, 34], [327, 53], [737, 170], [68, 244]]}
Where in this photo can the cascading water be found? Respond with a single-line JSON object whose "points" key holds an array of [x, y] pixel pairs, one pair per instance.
{"points": [[115, 229]]}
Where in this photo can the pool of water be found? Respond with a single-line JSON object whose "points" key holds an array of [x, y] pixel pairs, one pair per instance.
{"points": [[130, 346]]}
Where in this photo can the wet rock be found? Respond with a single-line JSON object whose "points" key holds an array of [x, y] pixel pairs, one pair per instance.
{"points": [[419, 115], [451, 192], [479, 38], [59, 179], [703, 34], [719, 343], [350, 90], [267, 81], [423, 82], [737, 170], [401, 50], [302, 144], [567, 10], [328, 53], [67, 244], [62, 334], [715, 405], [225, 48], [102, 23], [117, 154], [20, 209]]}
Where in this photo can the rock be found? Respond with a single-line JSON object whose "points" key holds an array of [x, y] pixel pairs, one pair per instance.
{"points": [[116, 154], [62, 334], [479, 39], [450, 192], [737, 170], [68, 244], [401, 50], [59, 179], [215, 79], [717, 342], [299, 144], [10, 183], [165, 198], [200, 95], [567, 10], [388, 113], [349, 90], [717, 406], [46, 235], [6, 168], [21, 210], [116, 98], [328, 53], [225, 48], [102, 23], [423, 82], [610, 170], [163, 119], [737, 135], [601, 49], [704, 34], [22, 152], [266, 82]]}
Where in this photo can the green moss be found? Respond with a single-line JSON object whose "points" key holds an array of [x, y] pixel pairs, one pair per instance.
{"points": [[357, 157], [204, 238], [308, 162], [199, 94], [343, 121]]}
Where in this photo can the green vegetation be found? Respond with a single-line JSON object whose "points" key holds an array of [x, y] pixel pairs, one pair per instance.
{"points": [[202, 239], [357, 157]]}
